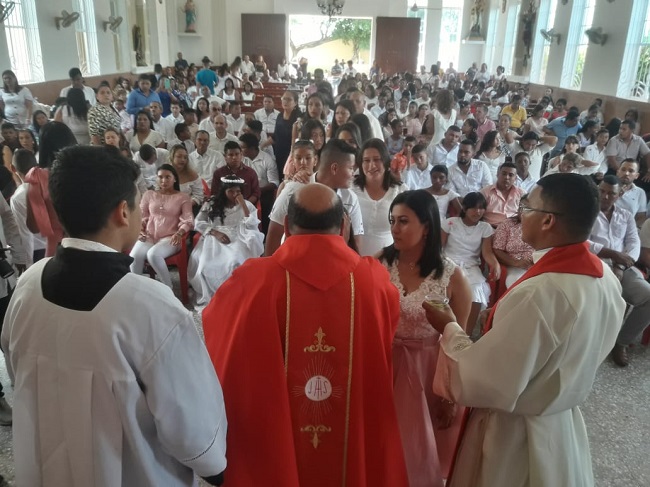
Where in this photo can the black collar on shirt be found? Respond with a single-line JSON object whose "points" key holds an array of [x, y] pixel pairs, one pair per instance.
{"points": [[79, 279]]}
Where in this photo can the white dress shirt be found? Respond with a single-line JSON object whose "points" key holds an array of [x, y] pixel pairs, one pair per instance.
{"points": [[165, 127], [437, 154], [377, 132], [633, 200], [268, 119], [477, 177], [207, 163], [416, 178], [265, 167], [598, 156], [619, 233]]}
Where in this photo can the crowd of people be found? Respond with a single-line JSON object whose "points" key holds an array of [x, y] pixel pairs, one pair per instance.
{"points": [[441, 184]]}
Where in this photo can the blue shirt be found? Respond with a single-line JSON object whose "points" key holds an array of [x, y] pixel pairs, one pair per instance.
{"points": [[136, 101], [561, 131], [207, 77]]}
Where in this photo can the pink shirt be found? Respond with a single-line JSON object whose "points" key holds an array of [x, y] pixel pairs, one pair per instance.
{"points": [[165, 214], [507, 237], [499, 205], [484, 128]]}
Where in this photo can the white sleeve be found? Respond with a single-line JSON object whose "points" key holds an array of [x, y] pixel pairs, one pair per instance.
{"points": [[188, 430], [355, 216], [19, 211], [202, 221], [280, 207], [642, 203], [632, 244], [196, 188], [272, 172], [12, 234]]}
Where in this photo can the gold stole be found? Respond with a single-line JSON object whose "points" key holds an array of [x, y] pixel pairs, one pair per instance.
{"points": [[318, 354]]}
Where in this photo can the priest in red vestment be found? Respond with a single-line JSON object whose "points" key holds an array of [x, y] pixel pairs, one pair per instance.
{"points": [[301, 342]]}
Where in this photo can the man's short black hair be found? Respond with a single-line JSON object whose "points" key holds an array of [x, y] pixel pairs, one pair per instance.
{"points": [[23, 160], [572, 115], [530, 135], [147, 152], [326, 221], [251, 140], [87, 184], [74, 72], [575, 198], [180, 128], [255, 125], [333, 150], [611, 180], [231, 145], [631, 124]]}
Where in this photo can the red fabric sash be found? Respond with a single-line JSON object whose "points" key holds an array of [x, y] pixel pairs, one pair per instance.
{"points": [[569, 259]]}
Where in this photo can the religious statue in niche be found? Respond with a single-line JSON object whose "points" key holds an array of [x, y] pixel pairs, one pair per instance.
{"points": [[138, 46], [190, 17], [476, 14], [528, 18]]}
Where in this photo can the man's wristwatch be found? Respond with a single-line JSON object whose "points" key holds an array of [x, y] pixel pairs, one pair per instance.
{"points": [[620, 266]]}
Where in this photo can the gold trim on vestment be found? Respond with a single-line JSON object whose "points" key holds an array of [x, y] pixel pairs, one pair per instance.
{"points": [[315, 430], [318, 345], [286, 328], [347, 406]]}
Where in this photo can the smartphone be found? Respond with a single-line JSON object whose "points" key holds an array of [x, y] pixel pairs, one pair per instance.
{"points": [[168, 83]]}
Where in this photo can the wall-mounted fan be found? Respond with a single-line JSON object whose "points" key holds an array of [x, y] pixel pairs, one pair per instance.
{"points": [[5, 10], [66, 19], [550, 35], [113, 23], [596, 36]]}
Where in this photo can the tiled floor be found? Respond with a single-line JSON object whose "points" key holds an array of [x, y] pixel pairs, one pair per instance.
{"points": [[617, 415]]}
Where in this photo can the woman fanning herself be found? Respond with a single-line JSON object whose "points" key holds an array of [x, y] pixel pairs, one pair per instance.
{"points": [[420, 272], [166, 218], [376, 188], [466, 239], [229, 228]]}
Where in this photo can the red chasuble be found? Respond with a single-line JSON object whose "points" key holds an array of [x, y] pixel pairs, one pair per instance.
{"points": [[569, 259], [301, 342]]}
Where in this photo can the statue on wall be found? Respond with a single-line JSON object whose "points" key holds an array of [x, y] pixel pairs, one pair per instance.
{"points": [[528, 18], [190, 17], [476, 15]]}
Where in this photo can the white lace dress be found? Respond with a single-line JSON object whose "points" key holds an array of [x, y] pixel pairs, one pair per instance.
{"points": [[427, 450]]}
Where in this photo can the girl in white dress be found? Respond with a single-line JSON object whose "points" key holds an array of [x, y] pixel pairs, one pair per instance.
{"points": [[466, 239], [229, 231], [536, 122], [442, 117], [491, 153], [446, 199], [376, 188]]}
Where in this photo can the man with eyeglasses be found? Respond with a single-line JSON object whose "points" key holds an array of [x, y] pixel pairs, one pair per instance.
{"points": [[615, 240], [547, 336]]}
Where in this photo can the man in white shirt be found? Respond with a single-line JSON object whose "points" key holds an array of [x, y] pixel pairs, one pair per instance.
{"points": [[626, 145], [524, 179], [220, 136], [418, 176], [358, 97], [33, 243], [247, 66], [205, 160], [163, 126], [149, 159], [425, 98], [403, 109], [235, 119], [175, 116], [614, 238], [446, 151], [380, 108], [597, 152], [267, 173], [468, 175], [183, 137], [78, 82], [120, 408], [350, 71], [267, 115], [535, 147], [631, 197], [336, 170], [126, 124]]}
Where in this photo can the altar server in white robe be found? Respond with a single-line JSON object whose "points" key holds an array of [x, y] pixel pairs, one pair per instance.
{"points": [[113, 386], [526, 377]]}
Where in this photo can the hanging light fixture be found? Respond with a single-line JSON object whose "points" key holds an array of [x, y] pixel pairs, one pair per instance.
{"points": [[331, 7]]}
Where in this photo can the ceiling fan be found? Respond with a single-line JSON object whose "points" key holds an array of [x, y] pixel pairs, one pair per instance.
{"points": [[550, 35], [66, 19], [113, 23], [5, 10]]}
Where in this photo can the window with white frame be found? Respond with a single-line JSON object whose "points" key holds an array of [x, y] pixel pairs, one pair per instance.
{"points": [[512, 27], [490, 43], [420, 13], [23, 42], [583, 45], [450, 31], [574, 36], [634, 81], [542, 47], [86, 33]]}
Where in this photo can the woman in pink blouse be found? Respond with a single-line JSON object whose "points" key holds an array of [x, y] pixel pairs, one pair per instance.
{"points": [[166, 218]]}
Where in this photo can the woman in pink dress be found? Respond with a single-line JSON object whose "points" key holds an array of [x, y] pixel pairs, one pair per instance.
{"points": [[428, 424]]}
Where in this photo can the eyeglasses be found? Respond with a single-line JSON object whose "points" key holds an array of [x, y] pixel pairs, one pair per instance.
{"points": [[526, 209]]}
